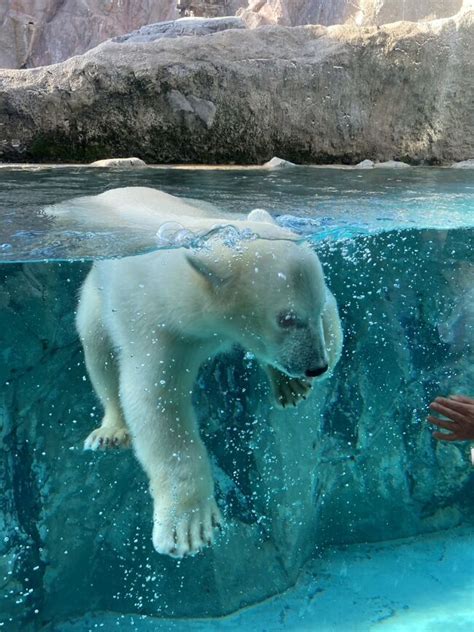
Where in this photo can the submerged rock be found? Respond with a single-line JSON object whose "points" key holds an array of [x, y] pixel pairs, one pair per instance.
{"points": [[312, 94], [119, 162]]}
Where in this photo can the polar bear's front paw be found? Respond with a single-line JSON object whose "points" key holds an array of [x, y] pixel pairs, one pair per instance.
{"points": [[178, 533], [287, 391], [107, 437], [291, 392]]}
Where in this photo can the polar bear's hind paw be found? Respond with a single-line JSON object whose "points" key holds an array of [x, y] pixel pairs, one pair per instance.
{"points": [[179, 535], [107, 438]]}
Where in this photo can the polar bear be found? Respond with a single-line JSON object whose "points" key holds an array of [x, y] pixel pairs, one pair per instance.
{"points": [[148, 322]]}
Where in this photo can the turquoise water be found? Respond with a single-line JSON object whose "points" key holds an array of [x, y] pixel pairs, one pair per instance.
{"points": [[341, 514]]}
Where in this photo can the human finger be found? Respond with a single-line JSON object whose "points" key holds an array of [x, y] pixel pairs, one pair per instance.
{"points": [[450, 413], [462, 398], [441, 423], [454, 404]]}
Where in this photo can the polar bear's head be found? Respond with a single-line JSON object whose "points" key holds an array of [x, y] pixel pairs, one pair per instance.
{"points": [[269, 297]]}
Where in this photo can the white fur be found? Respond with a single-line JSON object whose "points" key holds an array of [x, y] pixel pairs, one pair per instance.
{"points": [[148, 322]]}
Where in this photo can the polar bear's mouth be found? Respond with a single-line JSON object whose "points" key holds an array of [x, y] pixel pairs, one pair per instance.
{"points": [[308, 374], [299, 375]]}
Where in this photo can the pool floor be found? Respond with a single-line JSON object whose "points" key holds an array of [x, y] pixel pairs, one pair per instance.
{"points": [[422, 584]]}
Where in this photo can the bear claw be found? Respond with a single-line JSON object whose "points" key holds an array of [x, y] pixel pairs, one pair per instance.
{"points": [[186, 534], [105, 438]]}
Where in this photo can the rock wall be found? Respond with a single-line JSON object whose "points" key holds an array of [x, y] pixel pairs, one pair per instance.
{"points": [[307, 94], [354, 463], [367, 12], [385, 11], [40, 32], [209, 8], [297, 12]]}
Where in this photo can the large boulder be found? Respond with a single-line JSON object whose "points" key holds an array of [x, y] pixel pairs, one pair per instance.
{"points": [[305, 94]]}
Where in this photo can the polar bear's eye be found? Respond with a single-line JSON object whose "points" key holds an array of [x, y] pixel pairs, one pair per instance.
{"points": [[286, 320]]}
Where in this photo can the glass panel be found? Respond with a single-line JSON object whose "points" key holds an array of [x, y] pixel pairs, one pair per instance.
{"points": [[345, 500]]}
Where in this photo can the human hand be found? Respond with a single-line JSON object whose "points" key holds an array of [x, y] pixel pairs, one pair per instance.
{"points": [[459, 410]]}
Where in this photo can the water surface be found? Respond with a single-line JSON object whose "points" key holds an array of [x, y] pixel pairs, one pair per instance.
{"points": [[315, 202]]}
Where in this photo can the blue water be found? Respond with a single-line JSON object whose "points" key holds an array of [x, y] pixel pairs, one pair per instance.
{"points": [[315, 202]]}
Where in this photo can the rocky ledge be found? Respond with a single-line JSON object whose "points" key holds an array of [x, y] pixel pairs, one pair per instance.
{"points": [[308, 94]]}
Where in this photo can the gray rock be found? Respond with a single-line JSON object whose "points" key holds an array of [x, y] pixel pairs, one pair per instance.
{"points": [[288, 92], [119, 162], [180, 28], [464, 164], [199, 109], [364, 164]]}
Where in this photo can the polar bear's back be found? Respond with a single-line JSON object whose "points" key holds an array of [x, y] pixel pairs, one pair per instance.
{"points": [[134, 207]]}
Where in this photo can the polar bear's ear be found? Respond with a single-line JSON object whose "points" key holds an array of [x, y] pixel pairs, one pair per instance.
{"points": [[260, 215], [207, 267]]}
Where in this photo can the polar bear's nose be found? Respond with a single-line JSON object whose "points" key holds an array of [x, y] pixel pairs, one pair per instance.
{"points": [[316, 372]]}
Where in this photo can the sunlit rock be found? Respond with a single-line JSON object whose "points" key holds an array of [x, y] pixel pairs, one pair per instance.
{"points": [[242, 95], [278, 163], [464, 164], [119, 162], [365, 164], [181, 28]]}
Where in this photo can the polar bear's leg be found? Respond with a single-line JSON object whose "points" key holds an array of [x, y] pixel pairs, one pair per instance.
{"points": [[332, 331], [102, 368], [156, 399]]}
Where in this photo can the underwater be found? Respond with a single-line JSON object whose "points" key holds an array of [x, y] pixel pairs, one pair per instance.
{"points": [[340, 511]]}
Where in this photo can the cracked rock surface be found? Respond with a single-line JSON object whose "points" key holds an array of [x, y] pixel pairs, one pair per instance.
{"points": [[306, 94]]}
